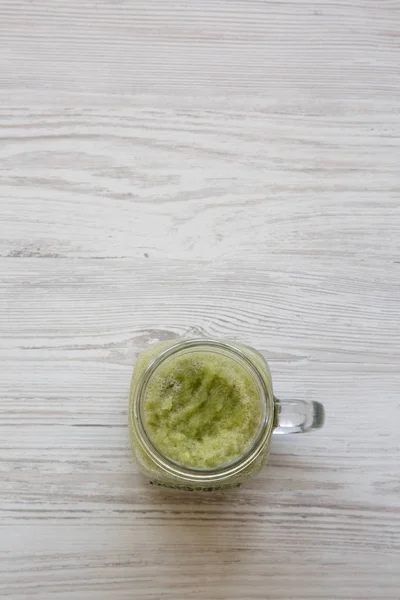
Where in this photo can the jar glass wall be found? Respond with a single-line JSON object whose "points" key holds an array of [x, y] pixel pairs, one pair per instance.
{"points": [[162, 463]]}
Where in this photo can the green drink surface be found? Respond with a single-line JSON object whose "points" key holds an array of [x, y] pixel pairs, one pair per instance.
{"points": [[202, 409]]}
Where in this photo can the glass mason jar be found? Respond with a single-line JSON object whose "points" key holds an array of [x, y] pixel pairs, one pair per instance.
{"points": [[276, 417]]}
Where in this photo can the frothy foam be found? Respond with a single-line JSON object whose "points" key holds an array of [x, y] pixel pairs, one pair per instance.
{"points": [[202, 409]]}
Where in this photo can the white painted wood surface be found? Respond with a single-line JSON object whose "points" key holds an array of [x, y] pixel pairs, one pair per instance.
{"points": [[226, 168]]}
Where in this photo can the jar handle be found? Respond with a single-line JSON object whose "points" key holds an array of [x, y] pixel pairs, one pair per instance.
{"points": [[298, 416]]}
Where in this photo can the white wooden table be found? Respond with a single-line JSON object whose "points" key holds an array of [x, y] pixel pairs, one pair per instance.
{"points": [[229, 168]]}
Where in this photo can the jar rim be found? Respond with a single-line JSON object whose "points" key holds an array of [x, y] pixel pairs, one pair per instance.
{"points": [[214, 474]]}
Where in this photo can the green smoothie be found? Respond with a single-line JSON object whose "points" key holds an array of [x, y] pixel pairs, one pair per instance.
{"points": [[201, 409]]}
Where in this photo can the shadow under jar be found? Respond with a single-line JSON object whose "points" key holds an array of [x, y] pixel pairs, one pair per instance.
{"points": [[202, 414]]}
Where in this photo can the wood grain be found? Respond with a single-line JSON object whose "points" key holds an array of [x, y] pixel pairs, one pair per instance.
{"points": [[136, 182], [226, 169], [320, 48]]}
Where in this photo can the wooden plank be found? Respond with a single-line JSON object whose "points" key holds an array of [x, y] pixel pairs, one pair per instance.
{"points": [[130, 182], [253, 48]]}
